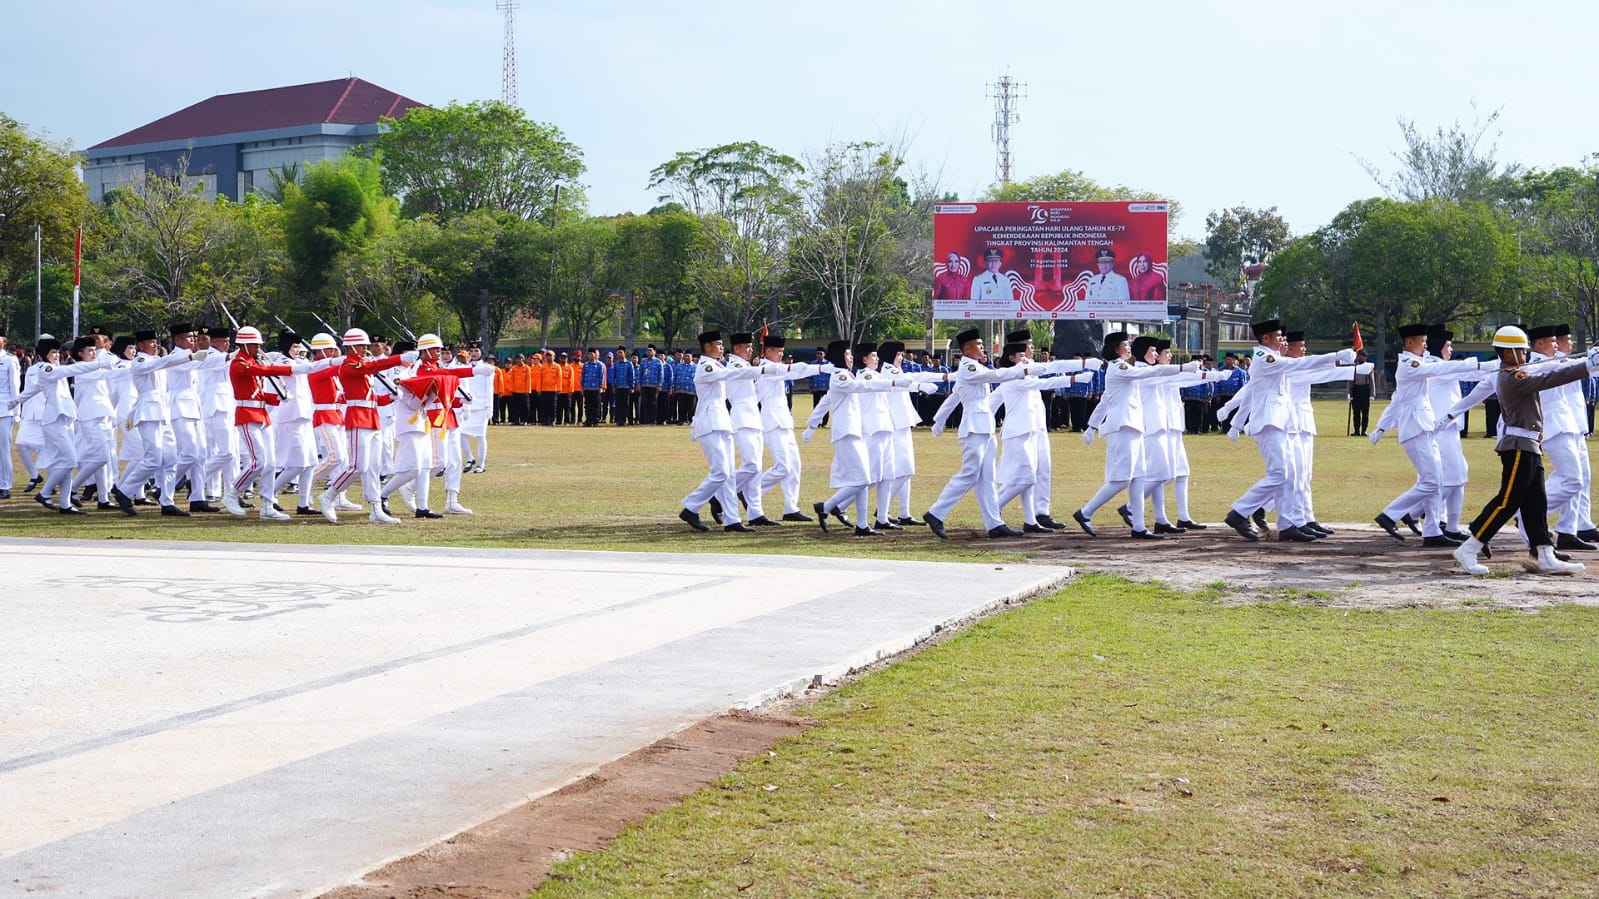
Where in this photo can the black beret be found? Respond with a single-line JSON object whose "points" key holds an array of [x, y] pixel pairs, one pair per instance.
{"points": [[888, 349], [1409, 331], [770, 341], [1294, 336], [146, 334], [179, 328], [1562, 330], [1021, 336], [83, 343], [741, 337], [710, 337], [1141, 346], [967, 336], [1261, 329]]}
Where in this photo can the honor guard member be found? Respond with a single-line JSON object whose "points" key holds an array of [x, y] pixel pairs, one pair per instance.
{"points": [[978, 445], [363, 450], [905, 408], [1521, 484], [293, 436], [651, 376], [129, 449], [1565, 446], [749, 428], [425, 399], [1106, 285], [150, 417], [480, 378], [258, 457], [1269, 410], [444, 415], [1410, 413], [96, 428], [327, 426], [777, 421], [992, 284], [593, 382], [10, 389], [1443, 394], [713, 431], [55, 413], [1168, 421], [1026, 462], [188, 427], [216, 407]]}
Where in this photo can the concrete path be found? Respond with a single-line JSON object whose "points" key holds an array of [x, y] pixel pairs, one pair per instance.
{"points": [[227, 720]]}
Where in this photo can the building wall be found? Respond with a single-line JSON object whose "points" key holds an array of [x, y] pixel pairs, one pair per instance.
{"points": [[258, 161], [103, 176], [233, 170]]}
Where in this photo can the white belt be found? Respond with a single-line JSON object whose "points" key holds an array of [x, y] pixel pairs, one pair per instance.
{"points": [[249, 404], [1521, 432], [326, 407], [362, 404]]}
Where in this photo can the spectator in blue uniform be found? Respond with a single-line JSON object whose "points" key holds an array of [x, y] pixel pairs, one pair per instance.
{"points": [[651, 377], [593, 383], [623, 378]]}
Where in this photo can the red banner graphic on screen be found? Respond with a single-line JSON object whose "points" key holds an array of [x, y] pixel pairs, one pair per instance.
{"points": [[1050, 260]]}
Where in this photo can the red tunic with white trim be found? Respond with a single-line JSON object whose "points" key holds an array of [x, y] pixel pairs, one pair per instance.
{"points": [[442, 411], [327, 397], [249, 400], [360, 407]]}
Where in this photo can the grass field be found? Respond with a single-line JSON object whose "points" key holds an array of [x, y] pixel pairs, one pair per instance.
{"points": [[1121, 739], [619, 489]]}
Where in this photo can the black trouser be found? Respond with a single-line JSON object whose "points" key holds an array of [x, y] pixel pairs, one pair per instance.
{"points": [[546, 407], [1078, 408], [1212, 423], [685, 408], [622, 407], [1490, 407], [667, 414], [1359, 408], [591, 408], [1194, 416], [816, 400], [1521, 492], [648, 399], [502, 406], [574, 406]]}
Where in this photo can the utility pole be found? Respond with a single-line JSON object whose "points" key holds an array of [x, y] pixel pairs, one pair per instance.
{"points": [[508, 57]]}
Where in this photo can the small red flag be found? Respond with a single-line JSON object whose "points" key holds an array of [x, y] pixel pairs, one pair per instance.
{"points": [[1359, 345]]}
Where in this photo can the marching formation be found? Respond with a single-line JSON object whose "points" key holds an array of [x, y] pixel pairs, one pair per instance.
{"points": [[131, 421], [1141, 420]]}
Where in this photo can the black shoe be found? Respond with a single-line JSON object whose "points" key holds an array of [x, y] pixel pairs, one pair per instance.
{"points": [[1241, 524], [247, 505], [1166, 529], [86, 494], [276, 507], [424, 513], [821, 514], [761, 521], [936, 525], [1316, 527], [797, 516], [142, 501], [1294, 535], [886, 526], [1572, 541], [742, 502], [1441, 540], [738, 527], [105, 507], [839, 515], [1486, 552], [305, 510], [1001, 531], [1125, 513], [1387, 524], [1591, 534], [39, 498], [1457, 536], [202, 506], [1409, 521], [1046, 522], [1035, 529], [1186, 525], [5, 494], [689, 517], [1084, 523], [33, 484], [173, 512], [716, 510], [867, 532], [1145, 535], [124, 502], [69, 510], [908, 522], [1259, 518]]}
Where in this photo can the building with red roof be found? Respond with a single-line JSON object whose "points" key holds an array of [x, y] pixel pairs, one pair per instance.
{"points": [[234, 143]]}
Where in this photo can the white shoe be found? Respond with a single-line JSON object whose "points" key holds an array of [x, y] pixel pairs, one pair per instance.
{"points": [[377, 517], [270, 514], [328, 507], [1548, 564], [230, 503], [1466, 556], [409, 495], [455, 508], [344, 504], [478, 470]]}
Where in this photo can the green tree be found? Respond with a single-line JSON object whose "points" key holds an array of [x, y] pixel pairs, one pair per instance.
{"points": [[455, 159], [1239, 234], [652, 259], [1456, 163], [339, 208], [38, 186], [583, 294], [156, 239]]}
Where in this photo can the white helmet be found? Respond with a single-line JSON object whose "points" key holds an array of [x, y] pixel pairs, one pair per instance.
{"points": [[247, 334], [356, 337], [1510, 337], [324, 342], [429, 342]]}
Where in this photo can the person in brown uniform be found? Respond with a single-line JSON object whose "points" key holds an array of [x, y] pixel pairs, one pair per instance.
{"points": [[1521, 486]]}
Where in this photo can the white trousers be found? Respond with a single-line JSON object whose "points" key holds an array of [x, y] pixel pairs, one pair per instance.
{"points": [[976, 475], [7, 467], [1273, 446], [447, 458], [330, 443], [1567, 457], [785, 470], [1423, 452], [222, 453], [57, 458], [150, 462], [189, 460], [97, 438], [718, 449], [257, 463], [1024, 472], [363, 458], [750, 445]]}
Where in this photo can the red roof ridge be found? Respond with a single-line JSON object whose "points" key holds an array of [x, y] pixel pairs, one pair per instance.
{"points": [[349, 85]]}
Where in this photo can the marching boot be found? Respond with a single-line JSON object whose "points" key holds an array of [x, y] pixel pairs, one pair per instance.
{"points": [[230, 504], [1549, 563], [329, 506], [452, 503], [1466, 557]]}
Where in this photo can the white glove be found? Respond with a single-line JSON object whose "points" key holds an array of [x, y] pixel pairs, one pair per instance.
{"points": [[1232, 434], [938, 428], [1193, 365], [1346, 356], [806, 437], [1376, 437], [1225, 413], [1093, 363], [926, 386], [1088, 437], [199, 355], [827, 368], [1365, 368], [1493, 364], [409, 357]]}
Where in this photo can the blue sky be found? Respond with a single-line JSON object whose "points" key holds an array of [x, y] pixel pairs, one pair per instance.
{"points": [[1212, 103]]}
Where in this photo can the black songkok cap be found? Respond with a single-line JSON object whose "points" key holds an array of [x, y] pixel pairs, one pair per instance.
{"points": [[146, 334], [741, 337], [862, 350], [403, 346], [1261, 329], [46, 344], [1294, 336], [770, 341], [1141, 346], [1022, 336], [83, 343], [1562, 330], [835, 352], [1112, 340], [888, 349], [710, 337], [226, 333], [1408, 331], [179, 328], [1010, 350], [120, 345], [967, 336]]}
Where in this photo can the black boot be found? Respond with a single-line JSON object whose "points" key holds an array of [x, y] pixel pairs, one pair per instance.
{"points": [[936, 525], [1388, 524], [1241, 524], [688, 516], [1084, 523]]}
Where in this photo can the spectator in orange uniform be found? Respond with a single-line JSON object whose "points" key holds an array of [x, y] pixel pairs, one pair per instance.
{"points": [[574, 388], [551, 379], [521, 390], [502, 392]]}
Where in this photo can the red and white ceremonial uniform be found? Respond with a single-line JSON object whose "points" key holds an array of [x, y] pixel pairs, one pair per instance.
{"points": [[327, 420], [361, 423], [257, 462]]}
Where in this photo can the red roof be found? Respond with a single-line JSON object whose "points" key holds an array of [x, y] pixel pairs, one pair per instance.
{"points": [[345, 101]]}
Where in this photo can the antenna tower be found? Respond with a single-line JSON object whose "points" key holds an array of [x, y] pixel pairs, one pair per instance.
{"points": [[1007, 94], [508, 64]]}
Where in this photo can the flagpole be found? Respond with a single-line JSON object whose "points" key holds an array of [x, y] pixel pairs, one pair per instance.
{"points": [[77, 279]]}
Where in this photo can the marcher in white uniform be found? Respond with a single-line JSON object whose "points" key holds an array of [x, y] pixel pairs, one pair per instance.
{"points": [[1413, 417], [475, 420], [96, 428], [1270, 416], [293, 436], [216, 409], [183, 399], [978, 445], [55, 412], [851, 476], [1167, 461], [10, 387], [258, 463], [151, 417], [1453, 471], [904, 417], [425, 403], [777, 424]]}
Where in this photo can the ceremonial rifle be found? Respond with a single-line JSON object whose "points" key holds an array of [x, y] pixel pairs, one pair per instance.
{"points": [[412, 334], [377, 374], [273, 379]]}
